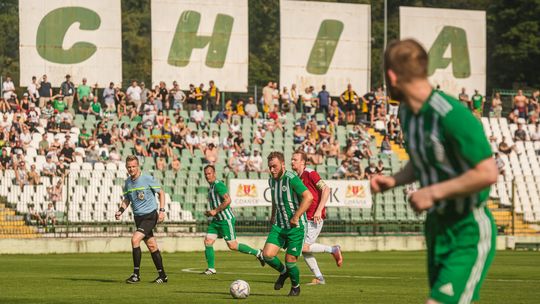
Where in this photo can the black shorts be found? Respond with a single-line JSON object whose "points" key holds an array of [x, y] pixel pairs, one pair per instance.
{"points": [[349, 106], [146, 223]]}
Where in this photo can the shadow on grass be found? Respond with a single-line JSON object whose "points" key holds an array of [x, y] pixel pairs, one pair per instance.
{"points": [[89, 280], [226, 293]]}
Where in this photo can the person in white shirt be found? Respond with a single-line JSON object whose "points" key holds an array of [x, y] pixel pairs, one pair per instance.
{"points": [[255, 162], [535, 136], [33, 90], [251, 109], [235, 127], [192, 142], [214, 139], [259, 136], [134, 94], [197, 116], [9, 88], [204, 140]]}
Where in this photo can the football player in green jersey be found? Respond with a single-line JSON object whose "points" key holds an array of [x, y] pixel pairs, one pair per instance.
{"points": [[451, 157], [223, 221], [290, 200]]}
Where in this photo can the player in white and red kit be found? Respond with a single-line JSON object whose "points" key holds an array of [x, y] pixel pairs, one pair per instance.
{"points": [[315, 215]]}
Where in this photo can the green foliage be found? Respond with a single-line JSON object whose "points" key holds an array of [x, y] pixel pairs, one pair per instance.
{"points": [[512, 35]]}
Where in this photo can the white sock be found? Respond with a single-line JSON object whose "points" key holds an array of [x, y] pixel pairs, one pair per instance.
{"points": [[315, 248], [312, 264]]}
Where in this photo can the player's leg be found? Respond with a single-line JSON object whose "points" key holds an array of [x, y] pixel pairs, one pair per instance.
{"points": [[136, 239], [310, 245], [309, 258], [152, 245], [295, 243], [274, 242], [462, 252], [229, 234], [209, 240]]}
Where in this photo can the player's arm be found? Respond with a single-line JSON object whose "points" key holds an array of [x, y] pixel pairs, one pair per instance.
{"points": [[226, 201], [123, 206], [472, 145], [307, 198], [381, 183], [161, 205], [325, 194]]}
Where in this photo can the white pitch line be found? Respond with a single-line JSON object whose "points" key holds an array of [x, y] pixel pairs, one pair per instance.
{"points": [[197, 270]]}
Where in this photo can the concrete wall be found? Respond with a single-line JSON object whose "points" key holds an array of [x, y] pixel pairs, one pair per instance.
{"points": [[190, 243]]}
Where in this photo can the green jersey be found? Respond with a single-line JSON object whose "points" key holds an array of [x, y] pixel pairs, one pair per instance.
{"points": [[286, 196], [477, 101], [444, 140], [215, 198], [59, 105]]}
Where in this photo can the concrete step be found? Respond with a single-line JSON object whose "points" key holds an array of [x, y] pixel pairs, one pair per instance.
{"points": [[11, 223]]}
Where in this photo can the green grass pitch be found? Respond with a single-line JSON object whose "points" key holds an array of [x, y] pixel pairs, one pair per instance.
{"points": [[370, 277]]}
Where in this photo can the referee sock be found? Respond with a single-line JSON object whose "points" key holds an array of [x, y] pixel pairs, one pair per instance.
{"points": [[315, 248], [294, 273], [209, 253], [243, 248], [276, 264], [312, 264], [158, 261], [136, 252]]}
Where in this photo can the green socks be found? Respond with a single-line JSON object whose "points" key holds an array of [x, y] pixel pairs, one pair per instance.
{"points": [[209, 253], [243, 248], [294, 273], [275, 263]]}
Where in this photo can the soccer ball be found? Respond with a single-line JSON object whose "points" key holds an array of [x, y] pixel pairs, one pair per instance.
{"points": [[239, 289]]}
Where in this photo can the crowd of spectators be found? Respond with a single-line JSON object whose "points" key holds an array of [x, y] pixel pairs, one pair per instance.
{"points": [[41, 121]]}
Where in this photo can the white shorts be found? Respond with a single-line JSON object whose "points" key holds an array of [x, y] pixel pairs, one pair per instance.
{"points": [[313, 231]]}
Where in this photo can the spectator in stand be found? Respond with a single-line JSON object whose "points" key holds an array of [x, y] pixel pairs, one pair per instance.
{"points": [[33, 176], [84, 90], [52, 126], [21, 174], [238, 142], [114, 156], [205, 140], [43, 145], [211, 154], [8, 88], [154, 149], [58, 103], [255, 162], [139, 149], [5, 160], [258, 139], [68, 152], [285, 100], [133, 94], [65, 126], [109, 95], [306, 101], [324, 100], [50, 214], [67, 89], [84, 107], [55, 192], [33, 214], [535, 136], [229, 110], [14, 103], [33, 91], [464, 98], [235, 126], [343, 171], [251, 109], [370, 171], [175, 165], [496, 105], [228, 142], [4, 106], [163, 95], [213, 98], [477, 102], [506, 148], [267, 96], [49, 168], [161, 164], [349, 99], [200, 95], [273, 121], [520, 108], [178, 97], [520, 134], [380, 167], [192, 142], [197, 116], [145, 93], [95, 109], [500, 163], [240, 111], [386, 147], [335, 116]]}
